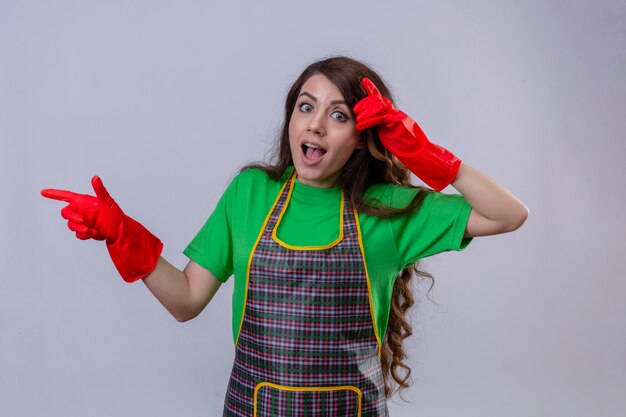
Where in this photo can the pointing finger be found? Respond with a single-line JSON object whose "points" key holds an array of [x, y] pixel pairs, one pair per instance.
{"points": [[61, 195], [369, 86]]}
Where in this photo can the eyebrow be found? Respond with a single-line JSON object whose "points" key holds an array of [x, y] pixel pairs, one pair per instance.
{"points": [[304, 93]]}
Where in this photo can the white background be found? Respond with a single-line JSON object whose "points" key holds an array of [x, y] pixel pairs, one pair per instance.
{"points": [[165, 100]]}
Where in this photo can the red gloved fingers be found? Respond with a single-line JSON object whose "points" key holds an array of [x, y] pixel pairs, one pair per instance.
{"points": [[373, 109], [84, 236], [370, 87], [372, 106], [69, 213], [377, 114], [366, 123], [101, 191], [72, 197], [109, 215], [75, 220], [79, 212], [100, 214], [79, 228], [61, 195], [75, 224], [370, 111]]}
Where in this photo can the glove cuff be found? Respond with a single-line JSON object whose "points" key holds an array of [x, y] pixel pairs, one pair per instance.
{"points": [[433, 164], [438, 168], [136, 251]]}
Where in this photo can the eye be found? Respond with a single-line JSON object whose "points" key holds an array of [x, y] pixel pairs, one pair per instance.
{"points": [[305, 107], [339, 116]]}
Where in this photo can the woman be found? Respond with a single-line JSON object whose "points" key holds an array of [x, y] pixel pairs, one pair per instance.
{"points": [[322, 243]]}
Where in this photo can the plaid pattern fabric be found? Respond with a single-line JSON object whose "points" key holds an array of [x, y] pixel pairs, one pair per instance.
{"points": [[272, 401], [307, 331]]}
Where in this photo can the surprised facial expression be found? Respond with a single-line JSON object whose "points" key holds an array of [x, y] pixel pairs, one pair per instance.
{"points": [[322, 133]]}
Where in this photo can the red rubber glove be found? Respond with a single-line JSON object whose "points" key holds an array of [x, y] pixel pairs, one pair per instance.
{"points": [[402, 136], [134, 250]]}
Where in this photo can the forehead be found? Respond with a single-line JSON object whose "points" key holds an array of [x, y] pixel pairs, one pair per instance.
{"points": [[322, 88]]}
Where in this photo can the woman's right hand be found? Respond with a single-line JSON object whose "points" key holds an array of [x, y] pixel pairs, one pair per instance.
{"points": [[133, 249], [90, 217]]}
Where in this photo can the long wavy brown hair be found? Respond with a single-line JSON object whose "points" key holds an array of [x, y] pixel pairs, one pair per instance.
{"points": [[368, 166]]}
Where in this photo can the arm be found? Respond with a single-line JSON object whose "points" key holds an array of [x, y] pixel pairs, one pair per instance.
{"points": [[183, 293], [494, 209]]}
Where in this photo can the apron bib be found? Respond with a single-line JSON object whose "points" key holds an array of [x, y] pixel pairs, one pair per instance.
{"points": [[307, 345]]}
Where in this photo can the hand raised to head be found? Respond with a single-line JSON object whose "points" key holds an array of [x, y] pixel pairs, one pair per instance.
{"points": [[374, 109], [403, 137]]}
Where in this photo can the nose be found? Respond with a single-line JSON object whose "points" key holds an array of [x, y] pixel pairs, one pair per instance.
{"points": [[316, 124]]}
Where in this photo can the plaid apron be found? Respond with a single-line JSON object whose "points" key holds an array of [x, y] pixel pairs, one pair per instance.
{"points": [[307, 344]]}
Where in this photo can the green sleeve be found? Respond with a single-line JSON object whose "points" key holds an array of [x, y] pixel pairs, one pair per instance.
{"points": [[212, 248], [437, 226]]}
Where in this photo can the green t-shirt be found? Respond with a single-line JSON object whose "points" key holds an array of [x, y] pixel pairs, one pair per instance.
{"points": [[312, 218]]}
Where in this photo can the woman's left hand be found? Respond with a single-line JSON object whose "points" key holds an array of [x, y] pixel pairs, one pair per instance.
{"points": [[403, 137]]}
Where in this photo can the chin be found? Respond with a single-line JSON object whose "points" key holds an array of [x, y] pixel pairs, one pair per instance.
{"points": [[317, 180]]}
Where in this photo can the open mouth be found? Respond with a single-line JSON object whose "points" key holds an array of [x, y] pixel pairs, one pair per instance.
{"points": [[312, 152]]}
